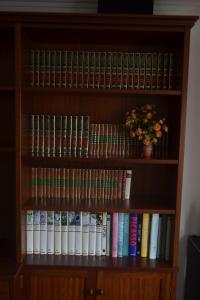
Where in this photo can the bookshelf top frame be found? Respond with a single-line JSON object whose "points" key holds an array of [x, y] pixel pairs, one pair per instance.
{"points": [[147, 22]]}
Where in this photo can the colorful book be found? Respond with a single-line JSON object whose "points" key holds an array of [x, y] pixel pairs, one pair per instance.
{"points": [[154, 236], [114, 234], [126, 227], [145, 234], [133, 234], [120, 234]]}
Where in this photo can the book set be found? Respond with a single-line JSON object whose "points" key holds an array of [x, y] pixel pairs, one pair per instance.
{"points": [[75, 136], [94, 69], [80, 184], [97, 234]]}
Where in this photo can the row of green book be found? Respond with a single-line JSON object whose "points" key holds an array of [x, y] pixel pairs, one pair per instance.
{"points": [[80, 184], [101, 233], [75, 136], [100, 69]]}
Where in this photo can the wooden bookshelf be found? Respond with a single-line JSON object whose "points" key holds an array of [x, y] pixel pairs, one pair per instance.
{"points": [[100, 66]]}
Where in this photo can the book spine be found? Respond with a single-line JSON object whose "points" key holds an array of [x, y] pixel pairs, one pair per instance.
{"points": [[99, 233], [153, 236], [145, 234], [92, 234], [85, 234], [78, 233], [57, 232], [133, 234], [127, 184], [36, 232], [71, 232], [103, 237], [64, 232], [43, 232], [29, 232], [120, 234], [50, 232], [126, 234], [108, 234], [114, 234]]}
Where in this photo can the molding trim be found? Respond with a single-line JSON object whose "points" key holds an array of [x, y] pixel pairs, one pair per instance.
{"points": [[84, 6]]}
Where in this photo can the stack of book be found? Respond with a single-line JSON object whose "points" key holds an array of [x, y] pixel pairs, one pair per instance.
{"points": [[75, 136], [96, 69], [80, 184], [102, 233]]}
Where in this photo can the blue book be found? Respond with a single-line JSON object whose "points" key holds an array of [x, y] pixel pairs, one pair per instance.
{"points": [[139, 233], [126, 234], [120, 235], [133, 234]]}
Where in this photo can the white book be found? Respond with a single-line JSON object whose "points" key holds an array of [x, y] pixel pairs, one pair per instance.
{"points": [[103, 235], [57, 232], [85, 232], [71, 232], [127, 184], [78, 233], [29, 232], [99, 233], [50, 232], [154, 236], [108, 231], [36, 232], [92, 234], [64, 232], [43, 232]]}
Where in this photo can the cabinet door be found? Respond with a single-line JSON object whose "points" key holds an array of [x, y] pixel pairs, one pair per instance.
{"points": [[4, 290], [121, 285], [57, 285]]}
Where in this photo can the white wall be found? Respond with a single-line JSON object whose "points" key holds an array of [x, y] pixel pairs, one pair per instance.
{"points": [[190, 211]]}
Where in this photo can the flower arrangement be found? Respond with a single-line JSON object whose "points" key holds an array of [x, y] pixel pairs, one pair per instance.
{"points": [[144, 126]]}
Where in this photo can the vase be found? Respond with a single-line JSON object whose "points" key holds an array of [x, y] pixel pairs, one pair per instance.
{"points": [[147, 151]]}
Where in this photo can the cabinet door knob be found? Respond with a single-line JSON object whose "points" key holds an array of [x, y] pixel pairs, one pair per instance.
{"points": [[99, 292], [90, 292]]}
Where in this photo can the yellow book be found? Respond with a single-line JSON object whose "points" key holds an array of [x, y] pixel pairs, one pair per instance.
{"points": [[145, 234]]}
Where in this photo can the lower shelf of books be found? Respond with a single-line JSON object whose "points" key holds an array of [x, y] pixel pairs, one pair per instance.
{"points": [[99, 234], [96, 262]]}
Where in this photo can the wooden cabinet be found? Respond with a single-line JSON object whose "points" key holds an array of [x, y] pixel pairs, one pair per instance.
{"points": [[4, 290], [128, 285], [103, 284], [66, 84], [58, 284]]}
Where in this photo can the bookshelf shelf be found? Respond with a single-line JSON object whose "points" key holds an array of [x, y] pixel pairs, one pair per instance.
{"points": [[102, 91], [94, 162], [127, 263], [139, 204]]}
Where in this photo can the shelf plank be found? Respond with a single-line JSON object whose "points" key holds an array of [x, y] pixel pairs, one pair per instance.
{"points": [[107, 262], [102, 91], [95, 162], [139, 204]]}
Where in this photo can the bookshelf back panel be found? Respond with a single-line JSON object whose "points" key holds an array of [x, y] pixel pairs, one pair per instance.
{"points": [[7, 57], [153, 187], [7, 120], [106, 109]]}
